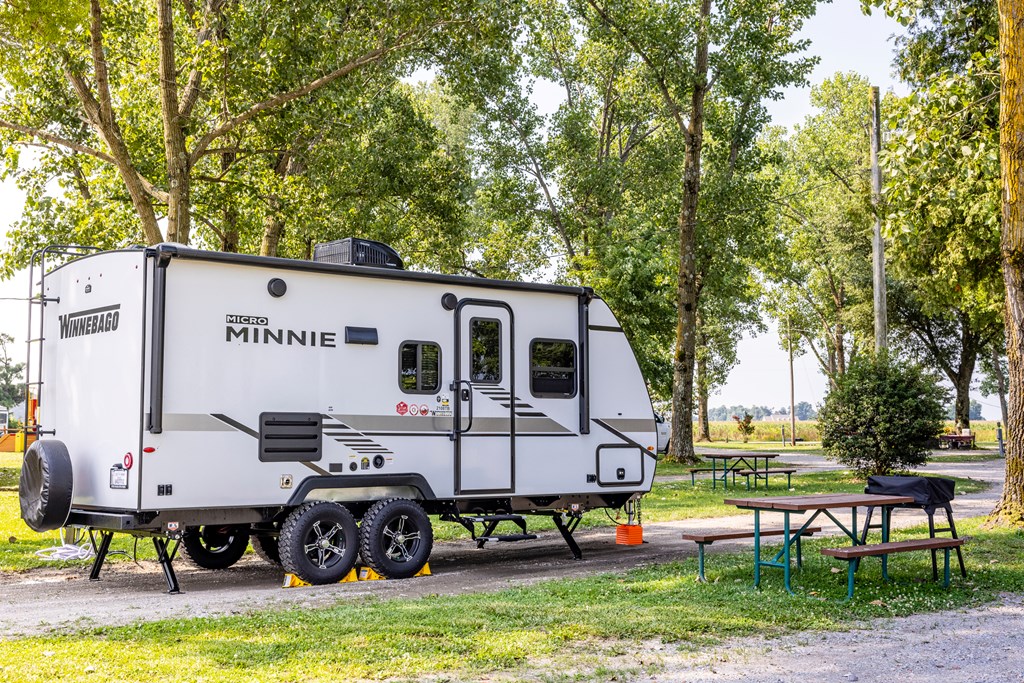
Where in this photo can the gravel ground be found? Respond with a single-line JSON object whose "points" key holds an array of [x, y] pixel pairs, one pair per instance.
{"points": [[47, 600], [971, 646]]}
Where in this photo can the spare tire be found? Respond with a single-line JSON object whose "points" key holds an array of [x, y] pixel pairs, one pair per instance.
{"points": [[46, 485]]}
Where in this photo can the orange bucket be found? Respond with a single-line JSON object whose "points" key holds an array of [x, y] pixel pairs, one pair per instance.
{"points": [[629, 534]]}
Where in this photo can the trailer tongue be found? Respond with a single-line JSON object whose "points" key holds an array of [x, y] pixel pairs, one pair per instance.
{"points": [[321, 410]]}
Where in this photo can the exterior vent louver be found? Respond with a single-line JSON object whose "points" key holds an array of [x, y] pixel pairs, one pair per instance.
{"points": [[353, 251], [291, 437]]}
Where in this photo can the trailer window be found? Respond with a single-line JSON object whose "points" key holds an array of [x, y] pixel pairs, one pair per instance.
{"points": [[485, 356], [552, 368], [419, 366]]}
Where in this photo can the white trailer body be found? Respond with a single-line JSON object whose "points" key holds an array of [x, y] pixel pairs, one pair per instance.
{"points": [[198, 388]]}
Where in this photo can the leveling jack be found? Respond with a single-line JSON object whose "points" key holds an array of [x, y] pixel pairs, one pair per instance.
{"points": [[165, 558]]}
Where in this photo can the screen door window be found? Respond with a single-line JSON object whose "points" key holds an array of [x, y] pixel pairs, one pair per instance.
{"points": [[485, 355]]}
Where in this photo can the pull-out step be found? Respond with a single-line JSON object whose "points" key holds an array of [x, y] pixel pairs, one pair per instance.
{"points": [[506, 538]]}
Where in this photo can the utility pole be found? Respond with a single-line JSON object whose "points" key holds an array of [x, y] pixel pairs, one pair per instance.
{"points": [[878, 252], [792, 384]]}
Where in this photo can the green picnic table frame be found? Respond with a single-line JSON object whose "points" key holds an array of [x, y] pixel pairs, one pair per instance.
{"points": [[826, 504], [738, 459]]}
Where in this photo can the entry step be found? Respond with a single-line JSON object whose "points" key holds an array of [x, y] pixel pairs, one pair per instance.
{"points": [[508, 537], [483, 519]]}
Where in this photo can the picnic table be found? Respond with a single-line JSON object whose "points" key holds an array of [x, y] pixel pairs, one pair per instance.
{"points": [[822, 503], [731, 462], [957, 441]]}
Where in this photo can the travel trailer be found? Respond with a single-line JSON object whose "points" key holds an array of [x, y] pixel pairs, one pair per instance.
{"points": [[322, 409]]}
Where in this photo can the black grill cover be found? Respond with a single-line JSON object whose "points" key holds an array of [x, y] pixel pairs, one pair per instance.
{"points": [[926, 491]]}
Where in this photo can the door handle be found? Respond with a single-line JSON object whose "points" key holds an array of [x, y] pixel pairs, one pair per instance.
{"points": [[464, 395]]}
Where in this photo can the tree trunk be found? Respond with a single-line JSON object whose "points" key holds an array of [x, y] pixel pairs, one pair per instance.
{"points": [[179, 189], [962, 405], [1010, 509], [703, 428], [686, 325], [273, 227]]}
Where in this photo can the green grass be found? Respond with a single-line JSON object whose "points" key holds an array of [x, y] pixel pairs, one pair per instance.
{"points": [[473, 635], [968, 457]]}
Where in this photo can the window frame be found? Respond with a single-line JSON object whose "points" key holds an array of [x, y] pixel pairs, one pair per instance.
{"points": [[575, 368], [470, 354], [419, 365]]}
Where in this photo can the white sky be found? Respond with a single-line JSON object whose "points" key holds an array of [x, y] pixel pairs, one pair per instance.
{"points": [[845, 40]]}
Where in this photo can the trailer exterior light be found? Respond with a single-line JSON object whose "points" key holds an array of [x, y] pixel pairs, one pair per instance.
{"points": [[148, 449]]}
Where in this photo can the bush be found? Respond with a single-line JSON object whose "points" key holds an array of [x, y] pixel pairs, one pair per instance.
{"points": [[883, 416], [744, 426]]}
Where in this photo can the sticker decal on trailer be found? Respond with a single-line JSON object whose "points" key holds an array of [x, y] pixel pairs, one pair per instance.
{"points": [[118, 477]]}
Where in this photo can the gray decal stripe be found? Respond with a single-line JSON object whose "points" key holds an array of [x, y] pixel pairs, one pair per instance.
{"points": [[237, 425], [630, 424], [316, 469], [605, 328], [393, 425], [194, 422], [620, 435], [518, 414]]}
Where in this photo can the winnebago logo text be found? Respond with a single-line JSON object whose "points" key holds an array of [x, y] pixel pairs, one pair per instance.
{"points": [[255, 329], [93, 321]]}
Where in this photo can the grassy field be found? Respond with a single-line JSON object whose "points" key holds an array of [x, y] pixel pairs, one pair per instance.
{"points": [[577, 620]]}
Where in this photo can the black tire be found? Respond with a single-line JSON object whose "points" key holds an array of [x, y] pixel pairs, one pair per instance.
{"points": [[267, 549], [319, 542], [215, 546], [396, 538], [46, 485]]}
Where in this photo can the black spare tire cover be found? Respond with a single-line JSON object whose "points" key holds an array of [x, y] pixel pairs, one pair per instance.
{"points": [[46, 485]]}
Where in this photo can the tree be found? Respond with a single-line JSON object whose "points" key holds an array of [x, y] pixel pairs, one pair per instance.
{"points": [[124, 129], [1010, 509], [942, 194], [823, 215], [12, 391], [882, 415], [753, 44], [805, 411], [950, 338]]}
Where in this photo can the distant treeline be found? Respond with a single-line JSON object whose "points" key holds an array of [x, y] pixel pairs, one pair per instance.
{"points": [[804, 411]]}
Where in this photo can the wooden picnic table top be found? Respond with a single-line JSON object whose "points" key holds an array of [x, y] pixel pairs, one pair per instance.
{"points": [[738, 456], [818, 501]]}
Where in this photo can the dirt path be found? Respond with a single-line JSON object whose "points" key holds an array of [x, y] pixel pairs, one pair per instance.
{"points": [[44, 600], [969, 646]]}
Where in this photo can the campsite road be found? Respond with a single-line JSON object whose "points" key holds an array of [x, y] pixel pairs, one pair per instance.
{"points": [[44, 600]]}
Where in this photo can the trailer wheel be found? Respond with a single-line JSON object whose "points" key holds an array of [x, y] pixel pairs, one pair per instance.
{"points": [[396, 538], [215, 546], [266, 547], [46, 485], [319, 542]]}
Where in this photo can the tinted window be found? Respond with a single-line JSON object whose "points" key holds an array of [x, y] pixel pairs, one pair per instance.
{"points": [[419, 369], [552, 368], [485, 355]]}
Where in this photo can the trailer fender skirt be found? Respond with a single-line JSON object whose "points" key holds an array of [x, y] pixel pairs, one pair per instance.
{"points": [[46, 485]]}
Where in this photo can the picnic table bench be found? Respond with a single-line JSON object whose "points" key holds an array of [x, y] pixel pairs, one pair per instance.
{"points": [[957, 441], [764, 475], [853, 553], [707, 538]]}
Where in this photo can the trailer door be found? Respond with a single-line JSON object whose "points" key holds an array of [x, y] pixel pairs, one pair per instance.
{"points": [[484, 398]]}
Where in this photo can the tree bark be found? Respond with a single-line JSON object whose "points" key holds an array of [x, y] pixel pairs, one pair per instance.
{"points": [[1010, 509], [179, 186], [686, 324]]}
